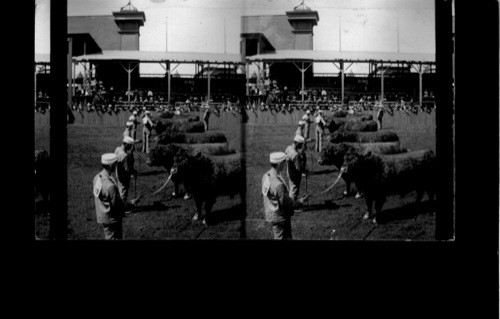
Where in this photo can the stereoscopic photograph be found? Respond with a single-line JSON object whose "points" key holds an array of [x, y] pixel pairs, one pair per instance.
{"points": [[307, 120]]}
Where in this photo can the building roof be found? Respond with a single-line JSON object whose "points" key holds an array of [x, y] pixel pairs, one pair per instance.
{"points": [[259, 36], [150, 56], [347, 56], [276, 28], [279, 56], [102, 29]]}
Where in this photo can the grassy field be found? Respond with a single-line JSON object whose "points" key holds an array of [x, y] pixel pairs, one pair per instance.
{"points": [[326, 217]]}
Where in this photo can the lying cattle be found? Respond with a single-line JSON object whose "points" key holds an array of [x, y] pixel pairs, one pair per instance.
{"points": [[214, 149], [333, 154], [190, 138], [378, 175], [335, 122], [363, 137], [357, 126], [208, 177], [42, 174], [171, 115], [340, 113], [163, 155], [179, 126]]}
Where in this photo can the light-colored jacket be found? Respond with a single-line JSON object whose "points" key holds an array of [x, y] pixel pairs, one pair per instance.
{"points": [[320, 124], [124, 164], [109, 206], [306, 119], [147, 124], [295, 165], [278, 206], [300, 132]]}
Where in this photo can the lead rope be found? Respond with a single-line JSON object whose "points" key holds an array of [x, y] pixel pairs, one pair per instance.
{"points": [[329, 188], [134, 201]]}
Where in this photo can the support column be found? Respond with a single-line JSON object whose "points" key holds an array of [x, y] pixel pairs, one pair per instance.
{"points": [[382, 85], [169, 75], [303, 86], [342, 88], [247, 68], [128, 83], [208, 83], [420, 75]]}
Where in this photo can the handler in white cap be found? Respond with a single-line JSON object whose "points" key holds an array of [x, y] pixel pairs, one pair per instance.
{"points": [[300, 129], [147, 127], [307, 119], [109, 205], [135, 121], [128, 129], [125, 166], [295, 157], [206, 116], [320, 128], [278, 206]]}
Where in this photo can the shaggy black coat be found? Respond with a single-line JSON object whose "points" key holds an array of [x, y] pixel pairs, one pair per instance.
{"points": [[163, 155], [208, 177], [191, 138], [343, 135], [334, 154], [180, 125], [352, 122], [378, 175]]}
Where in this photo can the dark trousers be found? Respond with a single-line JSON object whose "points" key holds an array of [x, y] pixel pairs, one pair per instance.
{"points": [[283, 230], [113, 231]]}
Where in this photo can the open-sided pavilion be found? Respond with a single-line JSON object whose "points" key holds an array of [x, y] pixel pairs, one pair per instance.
{"points": [[129, 60], [302, 59], [343, 60]]}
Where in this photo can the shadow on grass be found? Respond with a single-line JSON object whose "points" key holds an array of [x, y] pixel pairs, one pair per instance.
{"points": [[408, 211], [156, 206], [327, 204], [230, 214]]}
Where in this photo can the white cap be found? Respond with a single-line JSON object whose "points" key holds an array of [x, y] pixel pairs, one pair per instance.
{"points": [[302, 123], [308, 112], [108, 158], [298, 139], [129, 123], [147, 112], [128, 140], [135, 112], [277, 157]]}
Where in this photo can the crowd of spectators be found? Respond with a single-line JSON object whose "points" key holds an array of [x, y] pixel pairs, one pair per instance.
{"points": [[268, 97]]}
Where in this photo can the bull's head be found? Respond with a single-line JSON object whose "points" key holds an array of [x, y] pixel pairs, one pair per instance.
{"points": [[180, 161], [162, 155], [333, 154], [353, 161], [334, 125]]}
